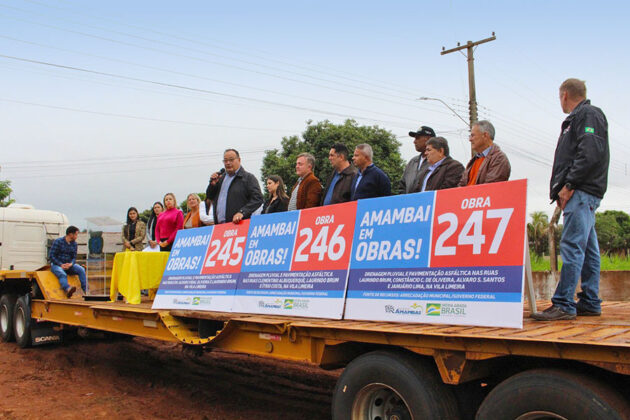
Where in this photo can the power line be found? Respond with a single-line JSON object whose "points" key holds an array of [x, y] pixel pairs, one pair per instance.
{"points": [[188, 88], [135, 117], [215, 62], [205, 78], [291, 62]]}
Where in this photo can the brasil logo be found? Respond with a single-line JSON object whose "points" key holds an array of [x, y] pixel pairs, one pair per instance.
{"points": [[433, 309], [288, 304]]}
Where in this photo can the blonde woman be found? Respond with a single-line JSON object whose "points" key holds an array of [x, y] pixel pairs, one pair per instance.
{"points": [[192, 217]]}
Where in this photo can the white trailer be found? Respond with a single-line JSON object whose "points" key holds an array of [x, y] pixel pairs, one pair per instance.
{"points": [[25, 233]]}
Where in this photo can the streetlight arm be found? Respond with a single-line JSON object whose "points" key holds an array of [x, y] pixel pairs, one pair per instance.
{"points": [[426, 98]]}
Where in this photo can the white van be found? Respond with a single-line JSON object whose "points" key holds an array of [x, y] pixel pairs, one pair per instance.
{"points": [[25, 233]]}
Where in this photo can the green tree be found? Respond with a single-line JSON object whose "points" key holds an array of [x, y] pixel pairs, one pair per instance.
{"points": [[144, 216], [5, 192], [613, 231], [537, 231], [318, 139]]}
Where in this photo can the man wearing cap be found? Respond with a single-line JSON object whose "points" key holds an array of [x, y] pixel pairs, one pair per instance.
{"points": [[411, 176], [489, 164]]}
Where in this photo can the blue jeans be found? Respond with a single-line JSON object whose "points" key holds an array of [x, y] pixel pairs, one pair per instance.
{"points": [[62, 275], [580, 255]]}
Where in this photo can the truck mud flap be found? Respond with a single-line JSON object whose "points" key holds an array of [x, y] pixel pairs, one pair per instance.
{"points": [[45, 333]]}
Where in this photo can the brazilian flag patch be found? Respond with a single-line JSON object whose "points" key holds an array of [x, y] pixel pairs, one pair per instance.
{"points": [[589, 130]]}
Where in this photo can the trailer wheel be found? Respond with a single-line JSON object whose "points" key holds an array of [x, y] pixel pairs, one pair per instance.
{"points": [[22, 322], [391, 385], [7, 304], [553, 394]]}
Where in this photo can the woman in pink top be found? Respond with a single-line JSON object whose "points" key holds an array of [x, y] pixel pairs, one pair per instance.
{"points": [[169, 222]]}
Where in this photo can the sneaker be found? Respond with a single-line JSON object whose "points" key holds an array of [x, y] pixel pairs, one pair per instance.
{"points": [[70, 291], [553, 313], [585, 312]]}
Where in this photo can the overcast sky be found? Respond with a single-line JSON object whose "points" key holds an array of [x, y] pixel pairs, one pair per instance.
{"points": [[104, 105]]}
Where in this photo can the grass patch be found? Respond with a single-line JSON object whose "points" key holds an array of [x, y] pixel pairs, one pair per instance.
{"points": [[608, 263]]}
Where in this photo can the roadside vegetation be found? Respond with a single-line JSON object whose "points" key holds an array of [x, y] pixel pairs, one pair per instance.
{"points": [[613, 235]]}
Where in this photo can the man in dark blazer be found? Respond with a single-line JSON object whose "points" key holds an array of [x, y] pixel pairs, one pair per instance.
{"points": [[442, 171], [339, 184], [236, 194], [370, 181], [307, 192]]}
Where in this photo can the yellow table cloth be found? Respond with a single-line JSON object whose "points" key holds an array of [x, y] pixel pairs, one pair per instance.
{"points": [[134, 271]]}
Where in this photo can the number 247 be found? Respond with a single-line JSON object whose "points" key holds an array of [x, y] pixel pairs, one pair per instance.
{"points": [[474, 224]]}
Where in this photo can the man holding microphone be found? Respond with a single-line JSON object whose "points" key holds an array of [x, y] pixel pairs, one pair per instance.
{"points": [[235, 194]]}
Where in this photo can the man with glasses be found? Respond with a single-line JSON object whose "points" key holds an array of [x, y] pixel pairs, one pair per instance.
{"points": [[235, 194]]}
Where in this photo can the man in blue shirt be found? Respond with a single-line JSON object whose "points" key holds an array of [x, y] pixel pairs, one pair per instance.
{"points": [[339, 184], [235, 193], [63, 255], [371, 181]]}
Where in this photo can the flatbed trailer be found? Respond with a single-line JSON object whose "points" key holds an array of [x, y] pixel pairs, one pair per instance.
{"points": [[562, 370]]}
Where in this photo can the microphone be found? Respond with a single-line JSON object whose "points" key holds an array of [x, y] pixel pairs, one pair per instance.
{"points": [[219, 173]]}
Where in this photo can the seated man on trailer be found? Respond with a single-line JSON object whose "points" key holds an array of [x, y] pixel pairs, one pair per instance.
{"points": [[63, 255]]}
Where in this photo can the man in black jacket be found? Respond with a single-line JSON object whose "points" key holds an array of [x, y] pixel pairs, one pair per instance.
{"points": [[578, 182], [339, 184], [236, 194]]}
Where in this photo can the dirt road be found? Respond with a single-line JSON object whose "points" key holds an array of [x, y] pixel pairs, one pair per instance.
{"points": [[145, 379]]}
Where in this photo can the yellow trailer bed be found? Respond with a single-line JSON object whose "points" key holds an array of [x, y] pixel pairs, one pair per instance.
{"points": [[594, 348]]}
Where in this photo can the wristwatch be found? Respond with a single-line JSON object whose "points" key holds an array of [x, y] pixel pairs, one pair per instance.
{"points": [[569, 186]]}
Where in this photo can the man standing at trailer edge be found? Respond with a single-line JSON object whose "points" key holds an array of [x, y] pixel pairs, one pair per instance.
{"points": [[489, 164], [236, 194], [339, 184], [63, 256], [410, 178], [578, 182]]}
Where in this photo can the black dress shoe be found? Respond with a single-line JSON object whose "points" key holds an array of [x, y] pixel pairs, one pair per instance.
{"points": [[70, 291], [553, 313]]}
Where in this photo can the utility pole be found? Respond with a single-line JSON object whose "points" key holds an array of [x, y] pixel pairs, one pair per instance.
{"points": [[472, 94]]}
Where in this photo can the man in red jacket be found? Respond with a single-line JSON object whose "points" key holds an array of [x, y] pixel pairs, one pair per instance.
{"points": [[308, 190], [489, 164]]}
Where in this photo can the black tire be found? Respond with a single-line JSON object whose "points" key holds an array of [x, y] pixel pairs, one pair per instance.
{"points": [[553, 394], [7, 305], [22, 322], [383, 384]]}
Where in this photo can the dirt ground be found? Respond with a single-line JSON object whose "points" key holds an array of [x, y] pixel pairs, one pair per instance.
{"points": [[87, 378]]}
